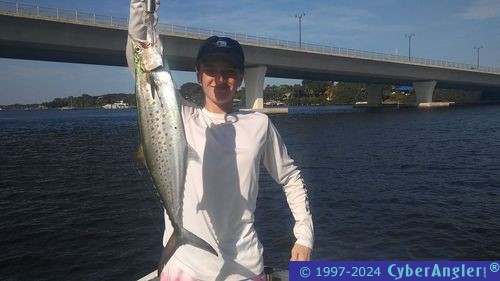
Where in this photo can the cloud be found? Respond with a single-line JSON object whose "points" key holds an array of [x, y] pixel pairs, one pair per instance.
{"points": [[482, 9]]}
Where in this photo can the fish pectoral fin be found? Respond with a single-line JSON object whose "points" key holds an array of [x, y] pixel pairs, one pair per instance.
{"points": [[155, 88], [153, 91], [152, 87]]}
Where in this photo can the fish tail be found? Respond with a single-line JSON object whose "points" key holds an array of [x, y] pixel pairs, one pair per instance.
{"points": [[179, 238]]}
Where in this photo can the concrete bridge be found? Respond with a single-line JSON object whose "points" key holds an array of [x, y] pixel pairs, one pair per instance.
{"points": [[40, 33]]}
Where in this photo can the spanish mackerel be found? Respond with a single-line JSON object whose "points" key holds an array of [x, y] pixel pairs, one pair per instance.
{"points": [[162, 133]]}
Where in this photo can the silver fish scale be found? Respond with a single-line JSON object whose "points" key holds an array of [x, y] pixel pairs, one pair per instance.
{"points": [[162, 134]]}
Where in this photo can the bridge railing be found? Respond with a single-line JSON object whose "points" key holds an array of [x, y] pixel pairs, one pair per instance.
{"points": [[64, 15], [88, 18]]}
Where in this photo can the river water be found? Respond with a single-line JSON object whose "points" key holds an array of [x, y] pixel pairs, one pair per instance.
{"points": [[393, 184]]}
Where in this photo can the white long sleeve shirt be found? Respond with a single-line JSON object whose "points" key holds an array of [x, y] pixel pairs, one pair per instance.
{"points": [[222, 183]]}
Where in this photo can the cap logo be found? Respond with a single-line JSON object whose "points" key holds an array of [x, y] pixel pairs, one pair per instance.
{"points": [[221, 44]]}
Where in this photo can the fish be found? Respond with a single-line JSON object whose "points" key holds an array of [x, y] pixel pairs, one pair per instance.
{"points": [[162, 135]]}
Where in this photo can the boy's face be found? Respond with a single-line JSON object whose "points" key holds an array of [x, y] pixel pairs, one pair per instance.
{"points": [[219, 80]]}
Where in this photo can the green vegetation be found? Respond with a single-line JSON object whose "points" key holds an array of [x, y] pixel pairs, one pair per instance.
{"points": [[87, 101], [329, 92], [310, 92], [192, 92], [318, 92], [449, 95]]}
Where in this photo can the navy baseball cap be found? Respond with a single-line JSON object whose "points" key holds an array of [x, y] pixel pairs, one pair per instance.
{"points": [[223, 46]]}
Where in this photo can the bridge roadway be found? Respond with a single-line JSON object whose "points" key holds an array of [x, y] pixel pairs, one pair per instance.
{"points": [[49, 39]]}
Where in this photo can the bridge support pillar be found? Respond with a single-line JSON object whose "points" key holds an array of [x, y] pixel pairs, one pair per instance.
{"points": [[254, 86], [472, 96], [374, 94], [424, 91]]}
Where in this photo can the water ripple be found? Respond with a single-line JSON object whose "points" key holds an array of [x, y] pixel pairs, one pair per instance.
{"points": [[396, 184]]}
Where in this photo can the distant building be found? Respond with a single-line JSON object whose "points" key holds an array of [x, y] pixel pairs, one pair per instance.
{"points": [[116, 105], [274, 103]]}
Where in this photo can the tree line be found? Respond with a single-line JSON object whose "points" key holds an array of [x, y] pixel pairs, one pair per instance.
{"points": [[309, 92], [312, 92], [88, 101]]}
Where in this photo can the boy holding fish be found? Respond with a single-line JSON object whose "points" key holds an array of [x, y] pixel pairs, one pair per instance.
{"points": [[225, 148]]}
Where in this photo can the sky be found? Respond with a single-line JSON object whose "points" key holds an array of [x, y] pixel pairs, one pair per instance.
{"points": [[444, 29]]}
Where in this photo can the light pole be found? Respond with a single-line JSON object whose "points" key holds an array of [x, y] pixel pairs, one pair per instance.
{"points": [[478, 48], [300, 27], [409, 44]]}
